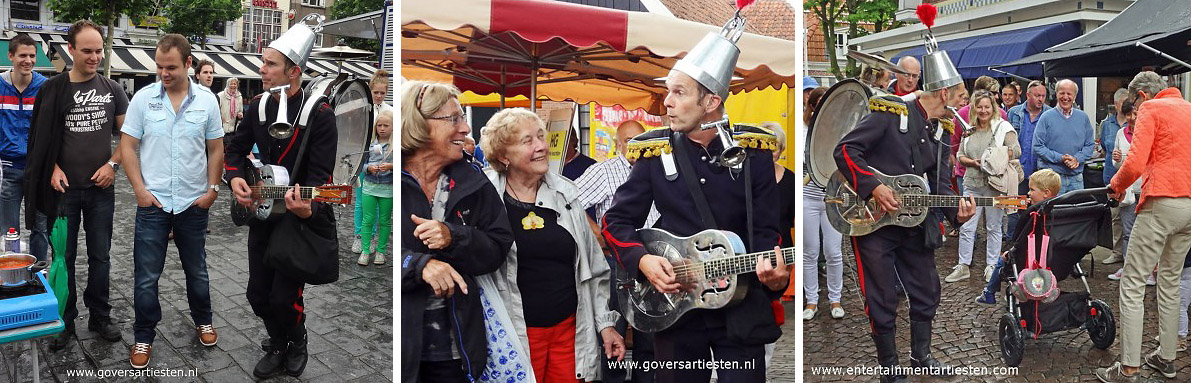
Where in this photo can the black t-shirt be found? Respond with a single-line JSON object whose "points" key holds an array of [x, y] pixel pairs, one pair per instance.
{"points": [[785, 190], [90, 125], [545, 264]]}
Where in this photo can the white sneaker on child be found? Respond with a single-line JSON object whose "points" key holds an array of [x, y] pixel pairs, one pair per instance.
{"points": [[356, 245]]}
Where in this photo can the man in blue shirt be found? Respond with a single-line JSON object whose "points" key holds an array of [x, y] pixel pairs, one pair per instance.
{"points": [[1064, 139], [18, 91], [176, 124], [1024, 117]]}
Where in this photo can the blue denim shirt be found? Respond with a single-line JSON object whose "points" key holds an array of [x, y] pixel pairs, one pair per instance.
{"points": [[1019, 117], [377, 154], [1108, 142], [173, 157]]}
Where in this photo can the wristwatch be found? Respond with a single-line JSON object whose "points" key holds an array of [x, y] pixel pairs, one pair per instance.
{"points": [[114, 165], [214, 187]]}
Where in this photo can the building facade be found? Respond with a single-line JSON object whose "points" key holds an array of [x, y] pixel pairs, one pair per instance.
{"points": [[34, 16], [301, 8]]}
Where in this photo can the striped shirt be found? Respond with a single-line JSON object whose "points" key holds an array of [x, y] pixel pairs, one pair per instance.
{"points": [[599, 183]]}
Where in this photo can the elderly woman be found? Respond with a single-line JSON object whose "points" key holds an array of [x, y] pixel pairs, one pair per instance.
{"points": [[555, 280], [988, 131], [453, 228]]}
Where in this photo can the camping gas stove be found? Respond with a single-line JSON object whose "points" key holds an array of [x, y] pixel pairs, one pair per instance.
{"points": [[28, 311]]}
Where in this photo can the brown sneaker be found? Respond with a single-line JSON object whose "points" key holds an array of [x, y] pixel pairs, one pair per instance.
{"points": [[207, 335], [140, 355]]}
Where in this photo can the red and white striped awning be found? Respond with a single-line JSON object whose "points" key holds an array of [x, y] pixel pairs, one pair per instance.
{"points": [[580, 53]]}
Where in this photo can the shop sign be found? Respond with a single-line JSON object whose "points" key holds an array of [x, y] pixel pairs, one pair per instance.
{"points": [[265, 3]]}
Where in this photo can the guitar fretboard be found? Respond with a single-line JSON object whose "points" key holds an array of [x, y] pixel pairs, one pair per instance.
{"points": [[278, 192], [930, 200], [738, 264]]}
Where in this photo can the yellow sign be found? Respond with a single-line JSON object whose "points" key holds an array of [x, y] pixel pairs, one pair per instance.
{"points": [[152, 21], [603, 123]]}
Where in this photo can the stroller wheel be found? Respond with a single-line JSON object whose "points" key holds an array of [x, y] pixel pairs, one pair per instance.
{"points": [[1012, 339], [1102, 326]]}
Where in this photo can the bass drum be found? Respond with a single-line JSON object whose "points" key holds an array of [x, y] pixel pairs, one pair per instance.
{"points": [[352, 102], [837, 114]]}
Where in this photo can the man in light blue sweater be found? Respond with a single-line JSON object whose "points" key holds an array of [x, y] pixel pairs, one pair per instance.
{"points": [[1063, 139]]}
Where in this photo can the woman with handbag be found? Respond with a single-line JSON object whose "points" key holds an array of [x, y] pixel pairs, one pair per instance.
{"points": [[989, 133], [453, 229], [555, 279]]}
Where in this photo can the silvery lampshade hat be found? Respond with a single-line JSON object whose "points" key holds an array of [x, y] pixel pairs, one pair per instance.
{"points": [[297, 42], [712, 61], [937, 70]]}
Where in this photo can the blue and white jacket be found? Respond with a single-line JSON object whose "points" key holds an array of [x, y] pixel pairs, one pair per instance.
{"points": [[16, 108]]}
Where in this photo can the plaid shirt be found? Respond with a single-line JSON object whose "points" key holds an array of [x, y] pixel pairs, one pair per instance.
{"points": [[599, 183]]}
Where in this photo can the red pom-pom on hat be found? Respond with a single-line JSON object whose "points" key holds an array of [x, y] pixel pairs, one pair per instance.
{"points": [[926, 13], [740, 4]]}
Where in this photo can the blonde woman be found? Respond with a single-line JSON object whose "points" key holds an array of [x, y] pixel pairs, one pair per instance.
{"points": [[989, 130]]}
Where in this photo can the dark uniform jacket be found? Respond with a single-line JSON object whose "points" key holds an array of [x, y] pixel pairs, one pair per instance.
{"points": [[878, 143], [751, 321], [319, 163]]}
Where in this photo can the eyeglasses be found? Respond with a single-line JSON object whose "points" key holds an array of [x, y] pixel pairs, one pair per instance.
{"points": [[913, 76], [453, 119]]}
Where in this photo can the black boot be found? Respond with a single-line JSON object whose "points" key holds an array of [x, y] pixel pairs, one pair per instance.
{"points": [[58, 343], [296, 356], [920, 350], [887, 357], [273, 363]]}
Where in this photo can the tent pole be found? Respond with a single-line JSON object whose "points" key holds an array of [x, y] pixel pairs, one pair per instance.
{"points": [[1164, 55], [1009, 74], [533, 86], [502, 87]]}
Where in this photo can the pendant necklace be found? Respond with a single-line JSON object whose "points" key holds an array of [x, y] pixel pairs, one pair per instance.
{"points": [[531, 221]]}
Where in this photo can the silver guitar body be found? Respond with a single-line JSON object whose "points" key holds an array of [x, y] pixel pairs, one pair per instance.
{"points": [[272, 175], [651, 311], [852, 216]]}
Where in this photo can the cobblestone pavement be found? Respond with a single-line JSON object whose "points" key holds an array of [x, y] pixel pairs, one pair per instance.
{"points": [[965, 332], [350, 322]]}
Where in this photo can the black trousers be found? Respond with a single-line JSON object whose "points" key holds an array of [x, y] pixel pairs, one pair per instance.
{"points": [[274, 297], [884, 256], [450, 371], [695, 340]]}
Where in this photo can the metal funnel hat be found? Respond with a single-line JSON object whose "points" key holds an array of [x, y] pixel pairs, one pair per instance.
{"points": [[712, 61], [297, 42], [938, 72]]}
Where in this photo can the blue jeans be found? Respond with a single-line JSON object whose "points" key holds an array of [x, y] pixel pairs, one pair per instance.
{"points": [[994, 282], [1128, 217], [153, 225], [1070, 183], [92, 207], [10, 212]]}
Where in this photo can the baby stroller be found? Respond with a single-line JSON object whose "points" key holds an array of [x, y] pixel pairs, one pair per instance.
{"points": [[1076, 222]]}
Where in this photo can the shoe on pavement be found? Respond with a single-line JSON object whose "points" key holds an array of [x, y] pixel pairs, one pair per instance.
{"points": [[207, 335], [356, 245], [273, 362], [363, 260], [1117, 275], [987, 297], [380, 259], [837, 312], [1113, 374], [63, 339], [1151, 281], [1164, 367], [105, 328], [988, 270], [958, 273], [139, 357], [809, 313], [1112, 258]]}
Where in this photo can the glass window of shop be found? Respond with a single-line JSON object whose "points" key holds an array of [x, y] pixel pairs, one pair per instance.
{"points": [[26, 10], [260, 27]]}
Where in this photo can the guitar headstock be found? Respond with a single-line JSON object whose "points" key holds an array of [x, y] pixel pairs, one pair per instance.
{"points": [[336, 194], [1016, 202]]}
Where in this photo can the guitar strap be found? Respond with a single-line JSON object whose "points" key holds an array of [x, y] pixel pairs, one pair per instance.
{"points": [[303, 122], [687, 171]]}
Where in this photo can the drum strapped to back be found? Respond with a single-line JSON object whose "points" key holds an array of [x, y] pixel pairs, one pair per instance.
{"points": [[351, 99]]}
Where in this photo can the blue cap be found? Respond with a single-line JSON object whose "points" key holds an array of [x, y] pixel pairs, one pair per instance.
{"points": [[809, 82]]}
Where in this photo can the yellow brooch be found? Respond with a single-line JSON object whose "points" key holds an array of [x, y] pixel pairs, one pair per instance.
{"points": [[532, 222]]}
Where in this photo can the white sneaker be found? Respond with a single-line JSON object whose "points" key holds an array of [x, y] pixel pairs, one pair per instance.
{"points": [[1112, 258], [363, 260], [808, 314], [988, 270], [1117, 275], [837, 312], [958, 273], [380, 259], [1151, 281], [356, 245]]}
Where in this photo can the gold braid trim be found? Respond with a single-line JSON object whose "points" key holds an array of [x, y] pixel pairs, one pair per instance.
{"points": [[646, 149], [878, 104], [948, 125], [757, 140]]}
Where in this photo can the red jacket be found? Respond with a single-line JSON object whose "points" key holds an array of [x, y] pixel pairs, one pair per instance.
{"points": [[1160, 150]]}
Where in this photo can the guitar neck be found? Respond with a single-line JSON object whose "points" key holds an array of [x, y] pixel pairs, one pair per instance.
{"points": [[743, 263], [931, 200], [278, 192]]}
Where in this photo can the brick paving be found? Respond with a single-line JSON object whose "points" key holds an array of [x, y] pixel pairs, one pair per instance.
{"points": [[965, 332], [350, 322]]}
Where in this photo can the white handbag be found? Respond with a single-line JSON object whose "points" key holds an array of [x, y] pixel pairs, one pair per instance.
{"points": [[507, 360]]}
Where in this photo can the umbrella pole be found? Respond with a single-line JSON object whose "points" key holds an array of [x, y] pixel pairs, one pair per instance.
{"points": [[502, 86], [533, 87]]}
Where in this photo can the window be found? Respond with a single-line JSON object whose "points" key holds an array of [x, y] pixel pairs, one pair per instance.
{"points": [[313, 3], [841, 44], [26, 9]]}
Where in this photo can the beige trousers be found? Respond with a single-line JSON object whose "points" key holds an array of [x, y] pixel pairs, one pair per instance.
{"points": [[1162, 236]]}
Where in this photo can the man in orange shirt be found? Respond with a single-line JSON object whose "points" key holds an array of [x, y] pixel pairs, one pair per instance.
{"points": [[1162, 233]]}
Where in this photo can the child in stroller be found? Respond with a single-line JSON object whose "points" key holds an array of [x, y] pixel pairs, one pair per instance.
{"points": [[1044, 184]]}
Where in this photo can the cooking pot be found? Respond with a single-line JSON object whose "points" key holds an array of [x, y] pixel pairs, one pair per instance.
{"points": [[17, 269]]}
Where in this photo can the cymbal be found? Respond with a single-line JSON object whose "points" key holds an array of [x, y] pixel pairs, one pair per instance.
{"points": [[875, 61]]}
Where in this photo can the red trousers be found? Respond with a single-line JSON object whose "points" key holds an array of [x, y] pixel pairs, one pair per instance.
{"points": [[552, 352]]}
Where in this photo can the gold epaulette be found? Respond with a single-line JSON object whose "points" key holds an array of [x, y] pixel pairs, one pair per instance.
{"points": [[755, 137], [947, 125], [649, 144], [882, 104]]}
